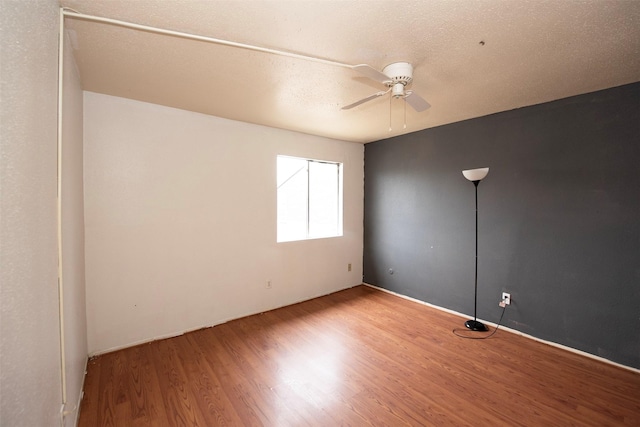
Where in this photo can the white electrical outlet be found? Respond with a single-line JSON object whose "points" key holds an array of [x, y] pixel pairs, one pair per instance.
{"points": [[268, 284], [506, 298]]}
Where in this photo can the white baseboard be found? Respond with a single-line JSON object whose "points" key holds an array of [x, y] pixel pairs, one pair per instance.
{"points": [[513, 331], [218, 322], [75, 411], [79, 402]]}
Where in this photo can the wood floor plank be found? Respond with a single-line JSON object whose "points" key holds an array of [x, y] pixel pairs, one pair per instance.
{"points": [[393, 358], [210, 395], [359, 357], [234, 381], [109, 392], [363, 368], [179, 402]]}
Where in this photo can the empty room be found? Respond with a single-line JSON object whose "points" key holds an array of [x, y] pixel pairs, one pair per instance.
{"points": [[320, 213]]}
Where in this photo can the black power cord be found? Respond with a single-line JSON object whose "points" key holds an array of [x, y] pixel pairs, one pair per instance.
{"points": [[455, 330]]}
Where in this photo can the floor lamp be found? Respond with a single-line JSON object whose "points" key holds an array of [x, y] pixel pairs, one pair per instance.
{"points": [[475, 176]]}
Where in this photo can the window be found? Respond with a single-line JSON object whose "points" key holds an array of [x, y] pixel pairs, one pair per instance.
{"points": [[309, 199]]}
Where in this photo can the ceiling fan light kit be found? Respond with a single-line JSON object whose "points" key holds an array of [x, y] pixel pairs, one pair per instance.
{"points": [[398, 90]]}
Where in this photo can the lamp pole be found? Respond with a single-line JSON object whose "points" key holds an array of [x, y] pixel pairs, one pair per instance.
{"points": [[475, 176]]}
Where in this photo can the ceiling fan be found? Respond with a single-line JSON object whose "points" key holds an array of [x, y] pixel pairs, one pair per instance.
{"points": [[396, 77]]}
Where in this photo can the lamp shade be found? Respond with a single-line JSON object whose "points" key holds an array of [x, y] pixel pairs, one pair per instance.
{"points": [[475, 174]]}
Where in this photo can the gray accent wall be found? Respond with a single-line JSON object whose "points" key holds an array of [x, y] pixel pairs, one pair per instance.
{"points": [[559, 219]]}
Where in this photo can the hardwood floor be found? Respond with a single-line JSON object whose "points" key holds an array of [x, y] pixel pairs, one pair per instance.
{"points": [[359, 357]]}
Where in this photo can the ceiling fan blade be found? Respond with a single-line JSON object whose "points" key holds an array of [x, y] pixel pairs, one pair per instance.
{"points": [[416, 101], [372, 73], [363, 100]]}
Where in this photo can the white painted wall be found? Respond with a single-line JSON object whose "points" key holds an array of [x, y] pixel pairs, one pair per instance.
{"points": [[30, 393], [180, 216], [75, 321]]}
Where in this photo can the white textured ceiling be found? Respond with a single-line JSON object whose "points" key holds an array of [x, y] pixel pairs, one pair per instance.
{"points": [[533, 51]]}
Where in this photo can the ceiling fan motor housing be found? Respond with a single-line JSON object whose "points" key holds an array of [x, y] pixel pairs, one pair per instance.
{"points": [[399, 72]]}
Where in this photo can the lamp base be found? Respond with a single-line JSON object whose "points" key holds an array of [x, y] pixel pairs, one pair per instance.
{"points": [[474, 325]]}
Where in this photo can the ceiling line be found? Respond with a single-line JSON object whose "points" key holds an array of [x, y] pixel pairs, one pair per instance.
{"points": [[70, 13]]}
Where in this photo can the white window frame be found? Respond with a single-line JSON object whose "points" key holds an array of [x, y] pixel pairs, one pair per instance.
{"points": [[280, 235]]}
